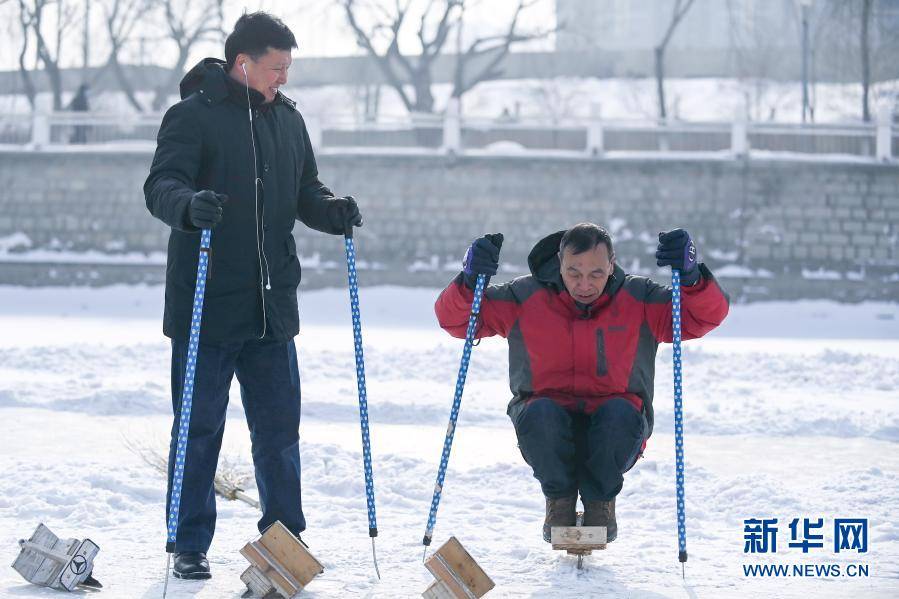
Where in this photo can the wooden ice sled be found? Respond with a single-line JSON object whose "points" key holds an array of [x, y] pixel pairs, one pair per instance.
{"points": [[49, 561], [579, 540], [458, 575], [280, 565]]}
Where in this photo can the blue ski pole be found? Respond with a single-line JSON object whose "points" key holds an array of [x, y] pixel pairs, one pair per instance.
{"points": [[187, 393], [678, 417], [454, 412], [363, 396]]}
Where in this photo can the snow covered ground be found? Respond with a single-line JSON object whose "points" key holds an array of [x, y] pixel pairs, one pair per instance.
{"points": [[792, 411]]}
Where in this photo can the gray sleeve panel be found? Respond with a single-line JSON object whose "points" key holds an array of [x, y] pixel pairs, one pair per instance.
{"points": [[517, 290], [642, 379], [520, 377], [648, 291]]}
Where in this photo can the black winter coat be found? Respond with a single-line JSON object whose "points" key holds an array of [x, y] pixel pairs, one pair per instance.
{"points": [[204, 142]]}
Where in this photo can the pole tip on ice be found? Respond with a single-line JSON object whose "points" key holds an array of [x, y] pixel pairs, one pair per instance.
{"points": [[374, 557]]}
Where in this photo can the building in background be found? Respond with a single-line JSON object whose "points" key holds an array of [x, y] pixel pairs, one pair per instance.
{"points": [[634, 25]]}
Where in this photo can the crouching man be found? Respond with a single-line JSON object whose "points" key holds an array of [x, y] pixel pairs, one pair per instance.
{"points": [[583, 337]]}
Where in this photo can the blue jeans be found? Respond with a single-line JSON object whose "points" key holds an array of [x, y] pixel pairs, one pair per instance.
{"points": [[573, 452], [270, 390]]}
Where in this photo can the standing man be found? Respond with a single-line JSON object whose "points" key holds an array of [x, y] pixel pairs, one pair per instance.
{"points": [[80, 103], [582, 345], [234, 154]]}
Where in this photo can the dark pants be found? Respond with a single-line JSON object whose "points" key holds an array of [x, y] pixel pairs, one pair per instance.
{"points": [[270, 390], [571, 451]]}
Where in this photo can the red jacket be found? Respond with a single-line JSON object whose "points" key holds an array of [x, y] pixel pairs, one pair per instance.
{"points": [[582, 357]]}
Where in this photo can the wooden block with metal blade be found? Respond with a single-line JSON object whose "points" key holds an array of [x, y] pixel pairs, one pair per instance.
{"points": [[458, 575], [49, 561], [279, 562], [578, 540]]}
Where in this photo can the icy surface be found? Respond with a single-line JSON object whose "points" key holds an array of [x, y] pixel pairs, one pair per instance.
{"points": [[792, 410]]}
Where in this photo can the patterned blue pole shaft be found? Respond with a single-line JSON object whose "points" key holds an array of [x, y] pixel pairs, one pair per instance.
{"points": [[678, 414], [360, 383], [187, 390], [457, 401]]}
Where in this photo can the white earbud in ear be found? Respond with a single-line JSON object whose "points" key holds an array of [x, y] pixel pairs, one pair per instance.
{"points": [[243, 65]]}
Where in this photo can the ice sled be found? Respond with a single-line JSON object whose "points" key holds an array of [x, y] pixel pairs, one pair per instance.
{"points": [[280, 565], [63, 564], [578, 540], [458, 575]]}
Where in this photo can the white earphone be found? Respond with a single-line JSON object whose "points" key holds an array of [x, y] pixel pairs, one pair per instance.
{"points": [[265, 276]]}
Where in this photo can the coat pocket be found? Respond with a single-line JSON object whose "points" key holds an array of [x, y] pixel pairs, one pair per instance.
{"points": [[293, 261], [602, 368]]}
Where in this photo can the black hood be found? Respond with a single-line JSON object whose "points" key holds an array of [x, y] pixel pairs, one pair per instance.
{"points": [[206, 74], [544, 264], [210, 79], [544, 261]]}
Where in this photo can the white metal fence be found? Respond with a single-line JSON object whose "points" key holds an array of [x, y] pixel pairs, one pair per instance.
{"points": [[460, 134]]}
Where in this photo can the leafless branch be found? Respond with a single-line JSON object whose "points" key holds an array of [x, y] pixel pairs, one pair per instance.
{"points": [[497, 47], [228, 481]]}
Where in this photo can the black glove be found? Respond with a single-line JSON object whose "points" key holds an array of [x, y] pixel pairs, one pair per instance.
{"points": [[677, 250], [205, 209], [344, 215], [482, 258]]}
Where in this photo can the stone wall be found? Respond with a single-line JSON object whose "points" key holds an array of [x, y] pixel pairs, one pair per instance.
{"points": [[772, 228]]}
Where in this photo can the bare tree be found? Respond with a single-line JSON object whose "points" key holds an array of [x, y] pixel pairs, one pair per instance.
{"points": [[757, 49], [186, 24], [121, 17], [677, 15], [485, 54], [411, 74], [33, 15], [866, 59], [397, 67], [558, 99], [26, 19]]}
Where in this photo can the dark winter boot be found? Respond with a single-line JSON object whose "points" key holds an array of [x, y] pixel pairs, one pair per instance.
{"points": [[602, 513], [191, 565], [559, 512]]}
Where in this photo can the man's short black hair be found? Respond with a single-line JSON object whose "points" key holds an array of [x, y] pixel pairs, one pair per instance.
{"points": [[584, 237], [254, 34]]}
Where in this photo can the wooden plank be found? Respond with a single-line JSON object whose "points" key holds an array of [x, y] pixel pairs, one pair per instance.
{"points": [[282, 580], [290, 553], [448, 578], [463, 566], [578, 537], [438, 590]]}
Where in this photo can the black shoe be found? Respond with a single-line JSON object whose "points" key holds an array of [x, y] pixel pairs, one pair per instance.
{"points": [[191, 565]]}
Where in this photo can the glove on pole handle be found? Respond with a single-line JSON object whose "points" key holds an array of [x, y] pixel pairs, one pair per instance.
{"points": [[454, 413], [678, 415], [363, 395], [187, 393]]}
